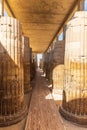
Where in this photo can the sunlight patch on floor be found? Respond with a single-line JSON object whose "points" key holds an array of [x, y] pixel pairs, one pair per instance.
{"points": [[48, 97], [57, 95]]}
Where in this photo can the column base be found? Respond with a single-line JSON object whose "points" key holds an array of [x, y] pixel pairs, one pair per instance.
{"points": [[13, 119], [76, 119], [27, 90]]}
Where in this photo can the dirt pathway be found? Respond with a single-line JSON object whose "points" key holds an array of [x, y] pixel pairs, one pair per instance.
{"points": [[43, 112]]}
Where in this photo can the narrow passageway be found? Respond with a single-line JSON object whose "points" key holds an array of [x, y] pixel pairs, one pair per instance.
{"points": [[43, 113]]}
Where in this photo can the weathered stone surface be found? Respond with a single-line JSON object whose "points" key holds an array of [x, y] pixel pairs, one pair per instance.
{"points": [[12, 106], [74, 106], [26, 63], [58, 65]]}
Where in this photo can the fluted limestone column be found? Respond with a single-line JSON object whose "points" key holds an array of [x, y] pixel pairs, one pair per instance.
{"points": [[74, 105], [26, 63], [1, 8], [12, 105]]}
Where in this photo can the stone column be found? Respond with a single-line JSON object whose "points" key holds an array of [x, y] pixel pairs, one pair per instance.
{"points": [[74, 105], [81, 5], [1, 8], [26, 63], [12, 105]]}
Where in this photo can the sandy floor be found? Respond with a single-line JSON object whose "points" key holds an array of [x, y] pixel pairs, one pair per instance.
{"points": [[43, 112]]}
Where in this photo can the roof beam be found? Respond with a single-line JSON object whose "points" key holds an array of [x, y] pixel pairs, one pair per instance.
{"points": [[64, 22], [8, 9]]}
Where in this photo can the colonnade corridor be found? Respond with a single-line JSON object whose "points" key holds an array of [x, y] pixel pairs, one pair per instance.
{"points": [[43, 112]]}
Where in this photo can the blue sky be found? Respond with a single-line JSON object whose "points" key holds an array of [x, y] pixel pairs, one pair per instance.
{"points": [[60, 37], [5, 14], [85, 5], [39, 56]]}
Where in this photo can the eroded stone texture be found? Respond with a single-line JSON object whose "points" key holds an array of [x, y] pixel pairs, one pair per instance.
{"points": [[74, 105], [12, 106], [26, 63], [58, 65]]}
